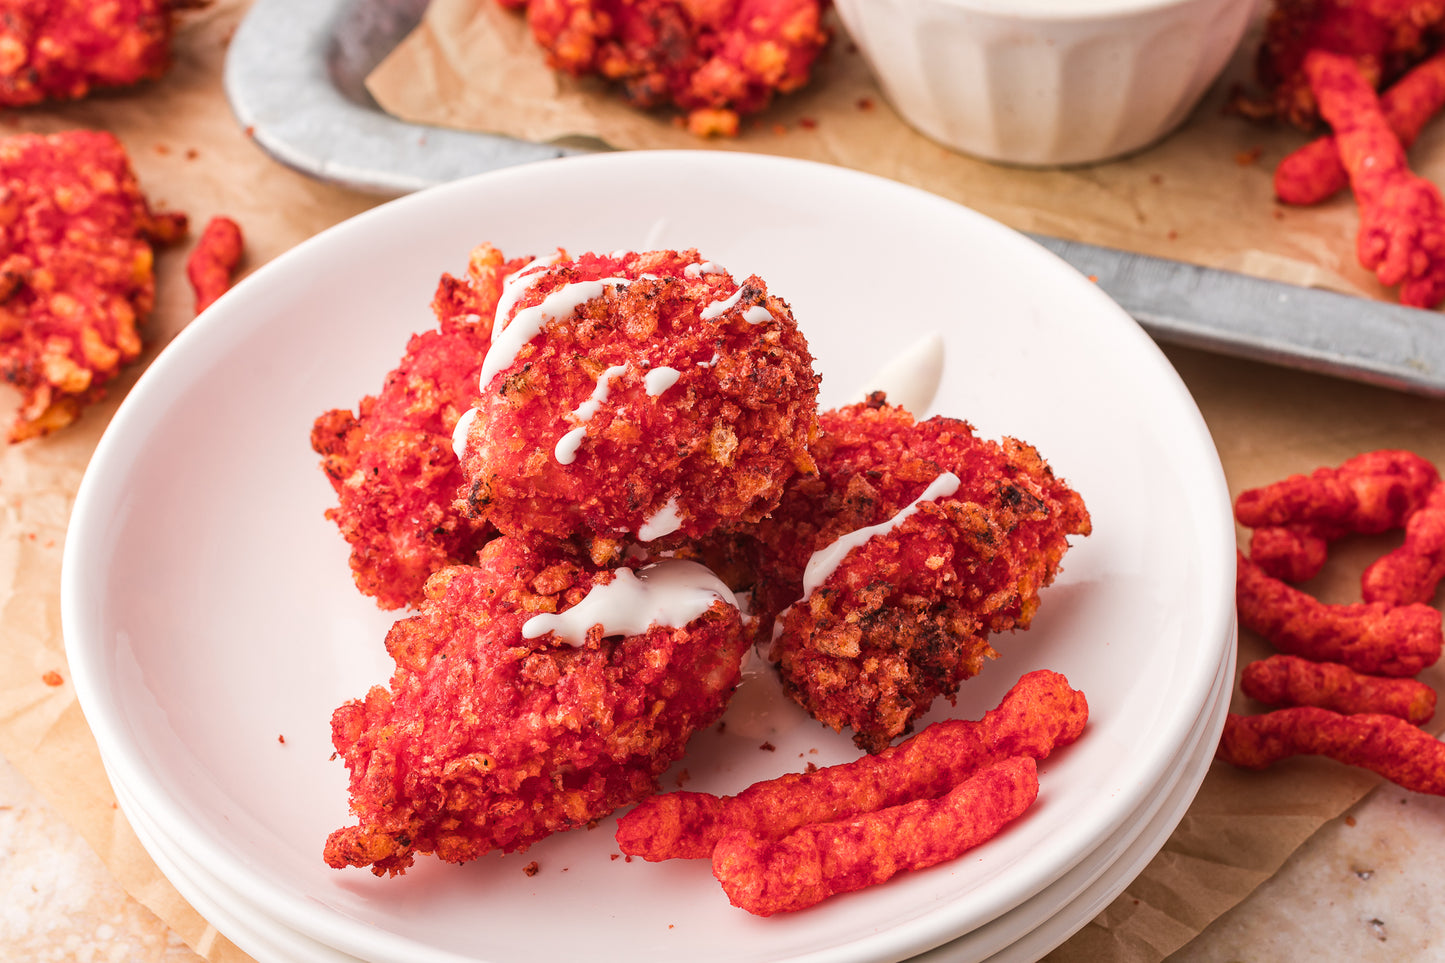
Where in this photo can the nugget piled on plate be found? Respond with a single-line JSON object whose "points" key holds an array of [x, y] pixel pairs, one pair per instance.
{"points": [[629, 439], [77, 272], [62, 49]]}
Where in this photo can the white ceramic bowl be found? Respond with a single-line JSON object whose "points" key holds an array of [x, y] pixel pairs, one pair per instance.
{"points": [[208, 607], [1046, 82]]}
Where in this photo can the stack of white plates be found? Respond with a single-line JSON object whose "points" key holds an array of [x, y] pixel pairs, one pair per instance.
{"points": [[212, 627]]}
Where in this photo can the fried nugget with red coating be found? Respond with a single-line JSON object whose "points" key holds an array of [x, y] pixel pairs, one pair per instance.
{"points": [[77, 275], [717, 60], [1314, 173], [1369, 637], [64, 49], [902, 612], [638, 396], [496, 732], [392, 463], [1386, 745], [1288, 680], [1039, 714], [1402, 216], [1412, 572], [1295, 519], [214, 260], [815, 862]]}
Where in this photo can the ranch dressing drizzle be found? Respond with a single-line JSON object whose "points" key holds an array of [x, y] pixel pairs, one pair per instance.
{"points": [[706, 267], [566, 450], [527, 323], [718, 308], [518, 284], [824, 561], [757, 314], [912, 378], [460, 432], [664, 521], [659, 379], [670, 594]]}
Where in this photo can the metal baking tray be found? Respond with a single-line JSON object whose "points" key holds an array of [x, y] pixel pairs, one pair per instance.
{"points": [[295, 77]]}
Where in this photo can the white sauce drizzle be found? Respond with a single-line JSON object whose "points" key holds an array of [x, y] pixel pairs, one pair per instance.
{"points": [[460, 432], [669, 594], [664, 521], [567, 445], [527, 323], [718, 308], [709, 362], [912, 378], [698, 270], [659, 379], [757, 314], [824, 561], [518, 284]]}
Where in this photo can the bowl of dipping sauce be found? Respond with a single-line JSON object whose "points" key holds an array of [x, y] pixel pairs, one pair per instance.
{"points": [[1046, 82]]}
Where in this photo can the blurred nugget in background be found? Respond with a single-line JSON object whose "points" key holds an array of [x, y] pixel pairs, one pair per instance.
{"points": [[76, 271], [62, 49]]}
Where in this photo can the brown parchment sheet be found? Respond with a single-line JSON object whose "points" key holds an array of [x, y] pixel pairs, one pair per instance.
{"points": [[1201, 195], [1267, 423]]}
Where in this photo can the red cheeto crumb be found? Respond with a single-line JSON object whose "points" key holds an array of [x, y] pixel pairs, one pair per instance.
{"points": [[213, 261], [52, 678]]}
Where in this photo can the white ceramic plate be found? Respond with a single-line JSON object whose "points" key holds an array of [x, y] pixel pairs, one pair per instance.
{"points": [[208, 608], [1022, 934]]}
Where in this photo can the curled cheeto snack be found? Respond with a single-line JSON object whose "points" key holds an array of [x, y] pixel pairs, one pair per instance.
{"points": [[1412, 572], [1288, 680], [812, 863], [1295, 519], [1369, 637], [1386, 745], [1314, 173], [1040, 713], [213, 260], [1402, 216]]}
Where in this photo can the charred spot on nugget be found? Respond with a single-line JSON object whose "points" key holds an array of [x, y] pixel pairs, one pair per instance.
{"points": [[641, 395]]}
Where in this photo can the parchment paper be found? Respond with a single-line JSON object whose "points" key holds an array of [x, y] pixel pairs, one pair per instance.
{"points": [[1267, 423], [1201, 195]]}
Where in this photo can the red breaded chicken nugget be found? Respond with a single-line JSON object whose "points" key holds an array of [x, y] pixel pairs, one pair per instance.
{"points": [[62, 49], [634, 396], [392, 463], [889, 569], [77, 274], [533, 694]]}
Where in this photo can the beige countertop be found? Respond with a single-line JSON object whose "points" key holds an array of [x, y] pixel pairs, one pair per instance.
{"points": [[74, 884]]}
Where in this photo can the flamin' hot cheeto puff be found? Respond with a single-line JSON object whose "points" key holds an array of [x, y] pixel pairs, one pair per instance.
{"points": [[1368, 637], [1412, 572], [62, 49], [77, 275], [1388, 746], [1370, 493], [765, 876], [1039, 714], [1288, 680], [213, 260]]}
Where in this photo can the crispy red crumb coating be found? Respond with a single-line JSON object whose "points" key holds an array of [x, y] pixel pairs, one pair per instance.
{"points": [[710, 447], [62, 49], [391, 463], [77, 274], [486, 740], [714, 59], [905, 617]]}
